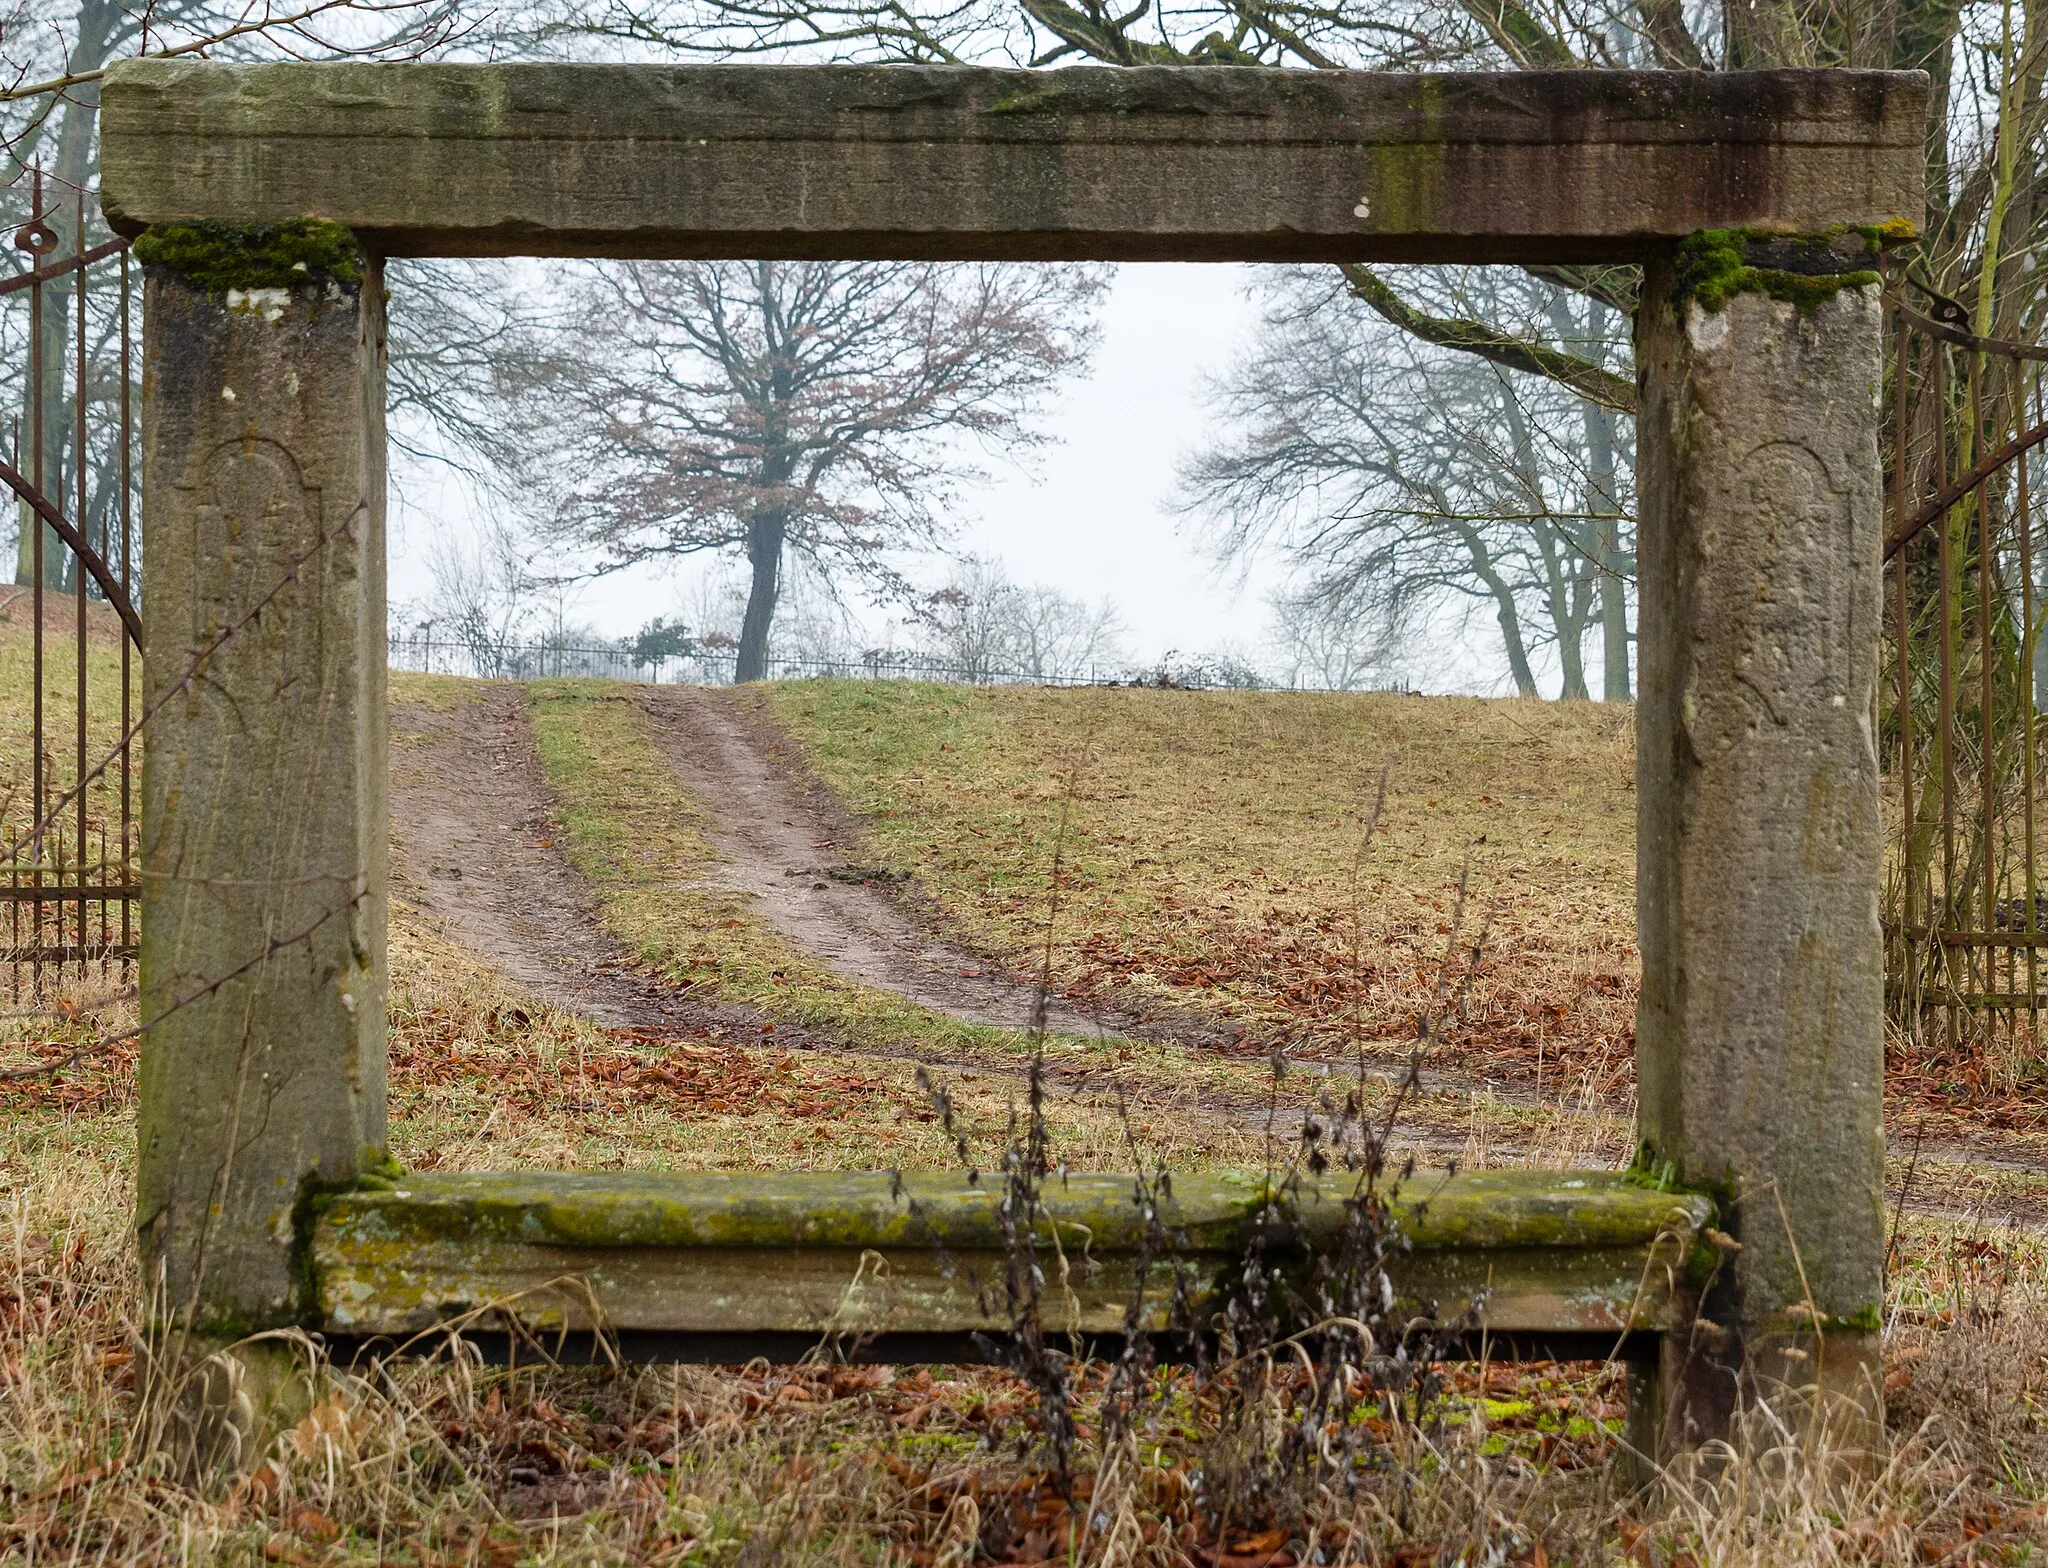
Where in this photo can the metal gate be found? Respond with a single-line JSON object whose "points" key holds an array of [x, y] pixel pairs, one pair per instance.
{"points": [[70, 638], [1965, 918]]}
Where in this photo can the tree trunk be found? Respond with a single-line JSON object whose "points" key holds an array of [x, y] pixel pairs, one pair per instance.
{"points": [[1571, 658], [765, 534], [1511, 639], [50, 467], [1567, 615], [1505, 611], [1608, 557], [1601, 501]]}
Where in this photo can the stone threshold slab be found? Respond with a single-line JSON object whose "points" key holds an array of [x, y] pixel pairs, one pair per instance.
{"points": [[870, 1253]]}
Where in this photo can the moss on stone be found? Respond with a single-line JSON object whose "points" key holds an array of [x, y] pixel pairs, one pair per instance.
{"points": [[218, 257], [1030, 100], [779, 1251], [1210, 1212], [1649, 1172], [1883, 236], [315, 1198], [1805, 270]]}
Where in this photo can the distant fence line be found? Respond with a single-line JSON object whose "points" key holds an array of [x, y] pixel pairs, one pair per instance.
{"points": [[715, 667]]}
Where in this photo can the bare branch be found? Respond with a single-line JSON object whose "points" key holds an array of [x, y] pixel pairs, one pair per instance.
{"points": [[271, 949], [1582, 376]]}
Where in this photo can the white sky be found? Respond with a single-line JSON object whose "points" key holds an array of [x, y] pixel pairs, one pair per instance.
{"points": [[1097, 522], [1091, 519]]}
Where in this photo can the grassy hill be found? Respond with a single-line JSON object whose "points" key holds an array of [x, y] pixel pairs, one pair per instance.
{"points": [[1214, 852]]}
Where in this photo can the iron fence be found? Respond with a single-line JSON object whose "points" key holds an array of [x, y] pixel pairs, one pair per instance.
{"points": [[68, 818], [1965, 916], [713, 666]]}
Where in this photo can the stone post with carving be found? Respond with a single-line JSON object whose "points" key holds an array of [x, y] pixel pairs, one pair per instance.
{"points": [[1760, 1043], [263, 826]]}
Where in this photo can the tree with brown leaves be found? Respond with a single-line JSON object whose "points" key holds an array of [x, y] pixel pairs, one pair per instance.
{"points": [[828, 409]]}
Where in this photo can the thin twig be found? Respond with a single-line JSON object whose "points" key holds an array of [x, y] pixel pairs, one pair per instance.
{"points": [[271, 949], [198, 664]]}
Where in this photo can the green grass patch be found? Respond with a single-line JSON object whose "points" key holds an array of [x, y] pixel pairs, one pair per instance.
{"points": [[641, 838]]}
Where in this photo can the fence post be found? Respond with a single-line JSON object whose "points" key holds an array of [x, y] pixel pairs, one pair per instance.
{"points": [[1760, 1043], [263, 829]]}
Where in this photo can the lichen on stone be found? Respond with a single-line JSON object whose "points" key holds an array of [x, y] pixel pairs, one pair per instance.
{"points": [[1805, 270], [220, 258]]}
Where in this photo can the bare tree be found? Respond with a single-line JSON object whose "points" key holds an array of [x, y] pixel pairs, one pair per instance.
{"points": [[986, 625], [1988, 186], [53, 54], [1325, 644], [764, 408], [1402, 479], [484, 598], [1056, 634]]}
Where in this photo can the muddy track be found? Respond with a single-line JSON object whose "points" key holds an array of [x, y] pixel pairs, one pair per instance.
{"points": [[474, 853], [799, 857]]}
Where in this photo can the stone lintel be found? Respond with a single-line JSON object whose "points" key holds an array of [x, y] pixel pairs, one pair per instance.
{"points": [[1090, 163], [1562, 1252]]}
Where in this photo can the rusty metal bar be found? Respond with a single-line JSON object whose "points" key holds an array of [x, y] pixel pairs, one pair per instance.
{"points": [[1902, 468], [63, 880], [78, 465], [2029, 635], [1945, 731], [60, 525], [126, 436], [112, 247], [109, 891], [30, 239], [1987, 772]]}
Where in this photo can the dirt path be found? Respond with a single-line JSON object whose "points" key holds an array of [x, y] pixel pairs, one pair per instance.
{"points": [[472, 823], [798, 855]]}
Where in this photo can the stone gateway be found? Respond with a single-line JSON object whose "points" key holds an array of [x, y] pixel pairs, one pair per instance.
{"points": [[1744, 1254]]}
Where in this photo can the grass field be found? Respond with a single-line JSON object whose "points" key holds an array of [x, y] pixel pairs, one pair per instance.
{"points": [[1212, 867], [103, 821], [1216, 855]]}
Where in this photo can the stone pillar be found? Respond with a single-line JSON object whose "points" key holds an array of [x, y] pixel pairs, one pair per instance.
{"points": [[263, 819], [1760, 1042]]}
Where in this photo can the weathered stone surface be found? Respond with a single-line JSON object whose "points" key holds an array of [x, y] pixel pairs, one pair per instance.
{"points": [[817, 1251], [918, 161], [263, 781], [1760, 1049]]}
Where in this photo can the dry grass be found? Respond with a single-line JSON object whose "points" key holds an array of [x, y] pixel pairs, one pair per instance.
{"points": [[640, 838], [1213, 844], [450, 1462], [484, 1079]]}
